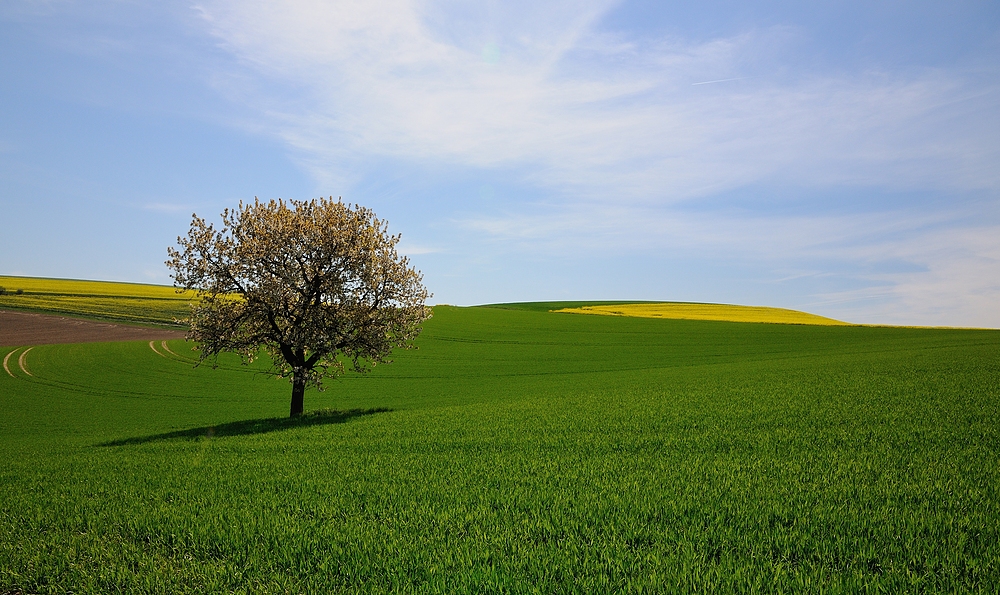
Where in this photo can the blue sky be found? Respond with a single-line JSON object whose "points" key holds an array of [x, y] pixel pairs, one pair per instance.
{"points": [[841, 158]]}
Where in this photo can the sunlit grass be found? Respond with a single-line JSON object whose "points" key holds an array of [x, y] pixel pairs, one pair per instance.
{"points": [[722, 312], [515, 451]]}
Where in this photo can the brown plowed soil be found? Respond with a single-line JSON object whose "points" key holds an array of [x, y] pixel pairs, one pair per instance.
{"points": [[23, 328]]}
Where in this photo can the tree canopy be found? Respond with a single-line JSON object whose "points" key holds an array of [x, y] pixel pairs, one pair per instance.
{"points": [[317, 284]]}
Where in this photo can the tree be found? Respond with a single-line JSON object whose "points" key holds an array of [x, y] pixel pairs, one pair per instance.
{"points": [[317, 284]]}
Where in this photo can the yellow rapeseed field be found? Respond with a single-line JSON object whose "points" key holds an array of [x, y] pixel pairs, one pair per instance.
{"points": [[129, 302], [725, 312], [95, 288]]}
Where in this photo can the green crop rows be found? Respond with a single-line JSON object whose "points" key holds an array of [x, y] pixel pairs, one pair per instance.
{"points": [[515, 451]]}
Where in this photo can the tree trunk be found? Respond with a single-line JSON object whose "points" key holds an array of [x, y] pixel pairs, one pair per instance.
{"points": [[298, 393]]}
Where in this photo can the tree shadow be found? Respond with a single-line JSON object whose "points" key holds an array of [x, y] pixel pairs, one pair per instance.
{"points": [[253, 426]]}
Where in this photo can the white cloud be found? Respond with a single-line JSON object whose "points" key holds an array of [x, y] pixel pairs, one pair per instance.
{"points": [[928, 268], [956, 284], [575, 110], [620, 133]]}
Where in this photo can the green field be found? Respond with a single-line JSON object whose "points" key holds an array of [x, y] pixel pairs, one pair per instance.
{"points": [[516, 450]]}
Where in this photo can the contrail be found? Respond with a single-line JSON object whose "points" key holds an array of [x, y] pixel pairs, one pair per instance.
{"points": [[739, 78]]}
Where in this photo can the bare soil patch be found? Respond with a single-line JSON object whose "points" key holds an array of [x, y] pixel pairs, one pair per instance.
{"points": [[24, 328]]}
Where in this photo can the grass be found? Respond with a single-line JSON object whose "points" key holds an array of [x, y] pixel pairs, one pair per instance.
{"points": [[515, 451], [687, 311], [135, 303]]}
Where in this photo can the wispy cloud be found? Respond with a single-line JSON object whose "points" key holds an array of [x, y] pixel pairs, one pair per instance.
{"points": [[580, 111], [624, 135], [901, 267], [955, 284]]}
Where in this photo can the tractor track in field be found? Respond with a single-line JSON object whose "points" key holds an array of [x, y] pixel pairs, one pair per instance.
{"points": [[6, 360], [16, 358], [27, 329], [165, 349], [22, 362]]}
